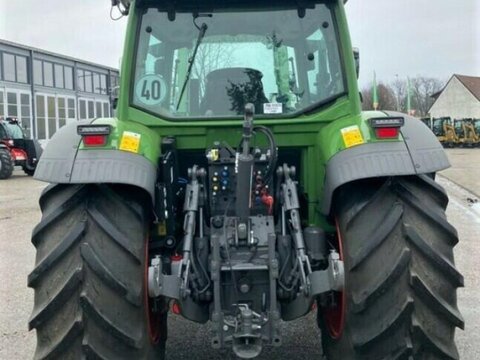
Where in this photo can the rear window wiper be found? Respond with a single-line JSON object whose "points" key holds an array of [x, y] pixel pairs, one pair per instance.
{"points": [[202, 30]]}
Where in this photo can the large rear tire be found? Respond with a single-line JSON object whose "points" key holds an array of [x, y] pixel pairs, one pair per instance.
{"points": [[400, 278], [6, 164], [89, 277]]}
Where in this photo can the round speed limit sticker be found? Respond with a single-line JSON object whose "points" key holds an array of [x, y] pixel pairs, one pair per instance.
{"points": [[151, 89]]}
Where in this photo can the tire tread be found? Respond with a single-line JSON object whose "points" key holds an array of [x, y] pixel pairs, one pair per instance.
{"points": [[401, 279], [89, 273]]}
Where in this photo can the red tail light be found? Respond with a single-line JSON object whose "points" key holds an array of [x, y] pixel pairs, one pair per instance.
{"points": [[94, 135], [95, 140], [387, 133], [388, 127]]}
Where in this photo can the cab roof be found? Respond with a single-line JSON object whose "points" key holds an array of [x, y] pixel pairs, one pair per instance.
{"points": [[221, 4]]}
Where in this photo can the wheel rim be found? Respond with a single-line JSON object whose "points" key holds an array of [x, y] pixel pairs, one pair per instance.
{"points": [[335, 317], [154, 319]]}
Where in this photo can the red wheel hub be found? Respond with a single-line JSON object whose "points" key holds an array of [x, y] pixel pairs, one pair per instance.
{"points": [[335, 317]]}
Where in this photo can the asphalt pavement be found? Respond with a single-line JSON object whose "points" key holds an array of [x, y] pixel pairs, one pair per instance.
{"points": [[19, 213]]}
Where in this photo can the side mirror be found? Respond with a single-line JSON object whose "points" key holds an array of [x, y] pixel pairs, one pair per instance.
{"points": [[356, 56], [115, 103]]}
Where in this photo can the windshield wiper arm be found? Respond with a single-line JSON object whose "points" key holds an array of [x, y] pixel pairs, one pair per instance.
{"points": [[201, 35]]}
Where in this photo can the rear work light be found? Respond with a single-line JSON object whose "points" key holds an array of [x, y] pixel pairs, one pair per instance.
{"points": [[94, 135], [387, 128]]}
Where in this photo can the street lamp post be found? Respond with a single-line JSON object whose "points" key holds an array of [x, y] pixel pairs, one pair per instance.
{"points": [[397, 90]]}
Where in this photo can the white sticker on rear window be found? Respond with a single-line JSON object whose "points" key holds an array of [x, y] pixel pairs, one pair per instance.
{"points": [[272, 108]]}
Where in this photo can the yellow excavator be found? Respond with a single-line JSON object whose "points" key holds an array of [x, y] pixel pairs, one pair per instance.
{"points": [[459, 127], [444, 130], [471, 132]]}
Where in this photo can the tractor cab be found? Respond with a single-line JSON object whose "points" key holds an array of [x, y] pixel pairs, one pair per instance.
{"points": [[427, 121], [439, 125], [11, 130], [459, 127], [476, 123]]}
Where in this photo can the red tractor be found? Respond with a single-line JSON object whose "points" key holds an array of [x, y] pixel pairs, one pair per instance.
{"points": [[16, 149]]}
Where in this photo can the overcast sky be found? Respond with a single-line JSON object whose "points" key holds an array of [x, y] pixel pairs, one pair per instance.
{"points": [[396, 37]]}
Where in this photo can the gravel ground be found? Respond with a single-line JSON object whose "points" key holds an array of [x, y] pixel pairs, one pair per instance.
{"points": [[19, 213]]}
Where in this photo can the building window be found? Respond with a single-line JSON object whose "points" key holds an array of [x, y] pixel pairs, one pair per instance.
{"points": [[59, 76], [9, 67], [48, 74], [65, 110], [96, 83], [41, 118], [114, 83], [12, 104], [106, 109], [82, 108], [62, 112], [37, 72], [103, 84], [71, 109], [68, 78], [92, 82], [80, 80], [52, 118], [2, 110], [26, 114], [91, 109], [22, 74], [14, 68], [17, 106], [98, 108], [88, 82]]}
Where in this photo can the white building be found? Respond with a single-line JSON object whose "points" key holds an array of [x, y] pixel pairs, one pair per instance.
{"points": [[459, 99], [45, 90]]}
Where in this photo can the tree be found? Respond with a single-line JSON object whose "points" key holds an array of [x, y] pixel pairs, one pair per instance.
{"points": [[386, 98], [422, 88], [393, 96], [211, 56], [399, 89]]}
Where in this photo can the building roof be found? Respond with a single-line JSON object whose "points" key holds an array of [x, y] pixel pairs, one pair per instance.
{"points": [[472, 83], [46, 52]]}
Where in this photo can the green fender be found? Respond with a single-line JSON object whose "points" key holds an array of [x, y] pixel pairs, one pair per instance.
{"points": [[67, 161], [417, 151]]}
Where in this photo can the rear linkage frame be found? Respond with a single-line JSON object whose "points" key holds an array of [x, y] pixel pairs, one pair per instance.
{"points": [[242, 272]]}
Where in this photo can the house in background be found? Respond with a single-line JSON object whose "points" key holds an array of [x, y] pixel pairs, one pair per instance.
{"points": [[459, 99]]}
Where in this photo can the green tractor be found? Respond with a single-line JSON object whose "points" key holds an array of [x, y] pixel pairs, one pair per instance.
{"points": [[241, 184]]}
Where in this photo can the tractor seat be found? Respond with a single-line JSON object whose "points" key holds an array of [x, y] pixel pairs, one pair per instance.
{"points": [[228, 90]]}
